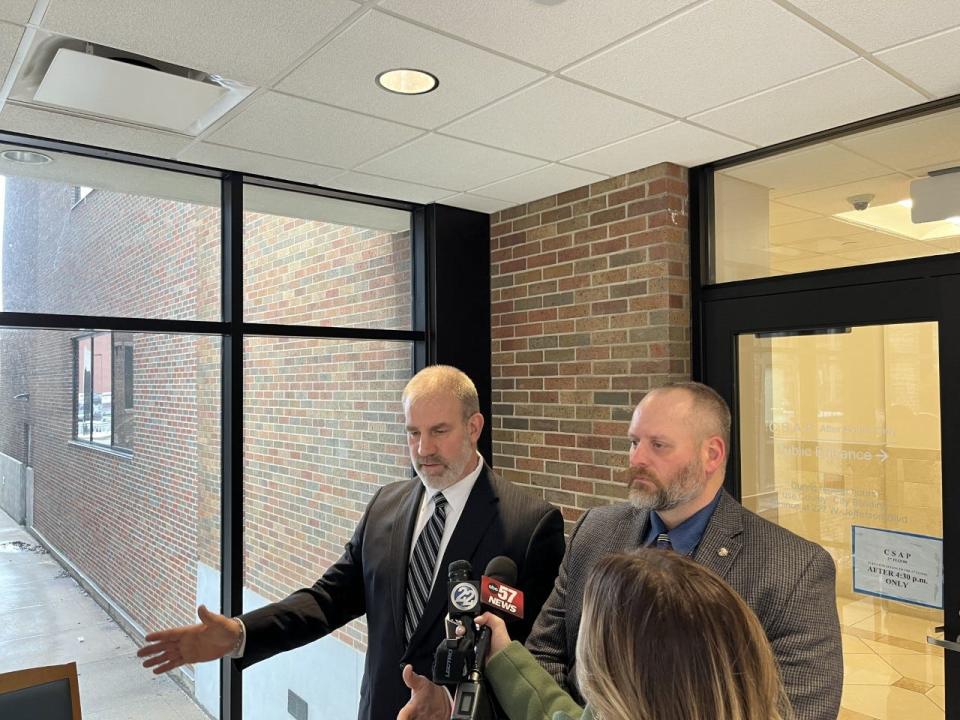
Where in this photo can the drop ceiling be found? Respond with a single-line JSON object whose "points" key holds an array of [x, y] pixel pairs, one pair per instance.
{"points": [[535, 96]]}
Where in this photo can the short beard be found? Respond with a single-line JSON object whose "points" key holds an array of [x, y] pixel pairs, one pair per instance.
{"points": [[685, 485], [453, 472]]}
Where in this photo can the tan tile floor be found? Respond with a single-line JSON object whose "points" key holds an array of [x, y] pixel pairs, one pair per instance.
{"points": [[890, 672]]}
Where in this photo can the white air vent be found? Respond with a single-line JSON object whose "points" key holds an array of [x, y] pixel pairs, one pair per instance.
{"points": [[128, 92], [95, 80]]}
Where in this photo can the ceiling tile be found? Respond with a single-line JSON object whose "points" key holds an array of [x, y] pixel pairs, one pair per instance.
{"points": [[873, 25], [809, 168], [933, 63], [387, 187], [831, 200], [60, 126], [717, 52], [468, 201], [677, 142], [442, 161], [304, 130], [549, 34], [885, 253], [915, 143], [18, 11], [851, 92], [539, 183], [247, 40], [808, 231], [228, 158], [538, 121], [784, 214], [9, 42], [344, 72]]}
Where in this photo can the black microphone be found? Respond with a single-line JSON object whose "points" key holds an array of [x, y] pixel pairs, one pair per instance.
{"points": [[454, 656], [467, 700]]}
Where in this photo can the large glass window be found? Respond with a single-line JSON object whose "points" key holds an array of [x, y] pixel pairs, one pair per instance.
{"points": [[85, 236], [112, 430], [323, 431], [311, 260], [142, 532], [841, 203]]}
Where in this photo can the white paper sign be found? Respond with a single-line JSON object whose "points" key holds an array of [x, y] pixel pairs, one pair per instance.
{"points": [[898, 565]]}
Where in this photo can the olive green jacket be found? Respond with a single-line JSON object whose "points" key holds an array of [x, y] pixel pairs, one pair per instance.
{"points": [[526, 691]]}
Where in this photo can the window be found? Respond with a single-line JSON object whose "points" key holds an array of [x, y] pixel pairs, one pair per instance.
{"points": [[104, 370]]}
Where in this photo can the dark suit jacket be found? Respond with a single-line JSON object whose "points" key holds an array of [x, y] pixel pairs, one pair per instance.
{"points": [[787, 581], [370, 578]]}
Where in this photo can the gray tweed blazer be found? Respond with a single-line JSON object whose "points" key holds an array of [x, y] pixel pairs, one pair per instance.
{"points": [[789, 583]]}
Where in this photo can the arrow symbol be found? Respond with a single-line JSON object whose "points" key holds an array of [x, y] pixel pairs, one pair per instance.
{"points": [[883, 455]]}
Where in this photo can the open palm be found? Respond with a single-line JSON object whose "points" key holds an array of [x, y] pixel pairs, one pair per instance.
{"points": [[212, 638]]}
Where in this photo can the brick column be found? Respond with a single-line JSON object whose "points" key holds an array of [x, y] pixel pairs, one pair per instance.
{"points": [[590, 307]]}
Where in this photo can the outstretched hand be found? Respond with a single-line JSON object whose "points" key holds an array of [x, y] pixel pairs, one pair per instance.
{"points": [[427, 701], [211, 639]]}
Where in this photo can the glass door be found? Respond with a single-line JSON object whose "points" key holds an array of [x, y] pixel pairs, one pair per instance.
{"points": [[840, 443], [846, 433]]}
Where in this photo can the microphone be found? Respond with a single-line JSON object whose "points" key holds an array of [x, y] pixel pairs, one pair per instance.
{"points": [[496, 591], [454, 656], [494, 584]]}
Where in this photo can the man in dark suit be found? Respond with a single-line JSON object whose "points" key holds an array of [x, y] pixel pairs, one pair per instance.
{"points": [[394, 567], [679, 436]]}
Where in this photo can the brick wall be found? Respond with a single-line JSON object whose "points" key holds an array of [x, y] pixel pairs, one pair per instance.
{"points": [[590, 309]]}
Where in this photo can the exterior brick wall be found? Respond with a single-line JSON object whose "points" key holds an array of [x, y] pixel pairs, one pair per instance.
{"points": [[590, 309], [322, 418]]}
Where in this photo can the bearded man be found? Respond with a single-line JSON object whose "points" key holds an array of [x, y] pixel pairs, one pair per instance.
{"points": [[679, 435], [394, 568]]}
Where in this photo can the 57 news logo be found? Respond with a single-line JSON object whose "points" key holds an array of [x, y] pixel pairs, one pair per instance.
{"points": [[503, 597]]}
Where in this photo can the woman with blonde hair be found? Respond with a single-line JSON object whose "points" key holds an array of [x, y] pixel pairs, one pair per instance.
{"points": [[662, 638]]}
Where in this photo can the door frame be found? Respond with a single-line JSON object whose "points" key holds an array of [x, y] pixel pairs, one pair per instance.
{"points": [[726, 314]]}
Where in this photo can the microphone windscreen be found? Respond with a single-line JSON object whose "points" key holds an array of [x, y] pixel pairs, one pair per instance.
{"points": [[503, 569], [459, 569]]}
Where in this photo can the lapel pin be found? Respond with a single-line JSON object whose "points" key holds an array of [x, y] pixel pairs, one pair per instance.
{"points": [[723, 552]]}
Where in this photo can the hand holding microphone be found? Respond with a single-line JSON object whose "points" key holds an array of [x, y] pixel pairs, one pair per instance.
{"points": [[499, 637]]}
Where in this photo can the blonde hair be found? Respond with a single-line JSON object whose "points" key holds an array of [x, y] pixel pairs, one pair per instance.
{"points": [[664, 638], [443, 379]]}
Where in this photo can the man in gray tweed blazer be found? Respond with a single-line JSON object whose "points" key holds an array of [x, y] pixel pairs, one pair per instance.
{"points": [[679, 435]]}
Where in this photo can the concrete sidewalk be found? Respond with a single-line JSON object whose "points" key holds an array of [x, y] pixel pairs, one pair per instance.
{"points": [[46, 618]]}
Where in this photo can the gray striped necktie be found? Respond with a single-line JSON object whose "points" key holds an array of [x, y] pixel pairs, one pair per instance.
{"points": [[663, 541], [420, 573]]}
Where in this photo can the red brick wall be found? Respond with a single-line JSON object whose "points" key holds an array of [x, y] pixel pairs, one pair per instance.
{"points": [[590, 309]]}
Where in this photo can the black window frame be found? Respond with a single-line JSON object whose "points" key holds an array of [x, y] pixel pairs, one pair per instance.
{"points": [[89, 394], [450, 294]]}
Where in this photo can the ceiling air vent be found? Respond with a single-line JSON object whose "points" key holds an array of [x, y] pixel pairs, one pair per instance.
{"points": [[96, 80]]}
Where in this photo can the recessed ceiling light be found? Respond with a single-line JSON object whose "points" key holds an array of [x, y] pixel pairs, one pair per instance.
{"points": [[407, 81], [27, 157]]}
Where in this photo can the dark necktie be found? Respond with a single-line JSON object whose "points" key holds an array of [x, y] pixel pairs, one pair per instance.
{"points": [[420, 572], [663, 541]]}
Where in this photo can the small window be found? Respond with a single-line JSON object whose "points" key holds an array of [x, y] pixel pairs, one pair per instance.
{"points": [[104, 370]]}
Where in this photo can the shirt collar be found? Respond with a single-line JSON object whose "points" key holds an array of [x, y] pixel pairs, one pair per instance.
{"points": [[686, 536]]}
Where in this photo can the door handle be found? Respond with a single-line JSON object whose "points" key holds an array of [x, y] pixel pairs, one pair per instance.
{"points": [[943, 642]]}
